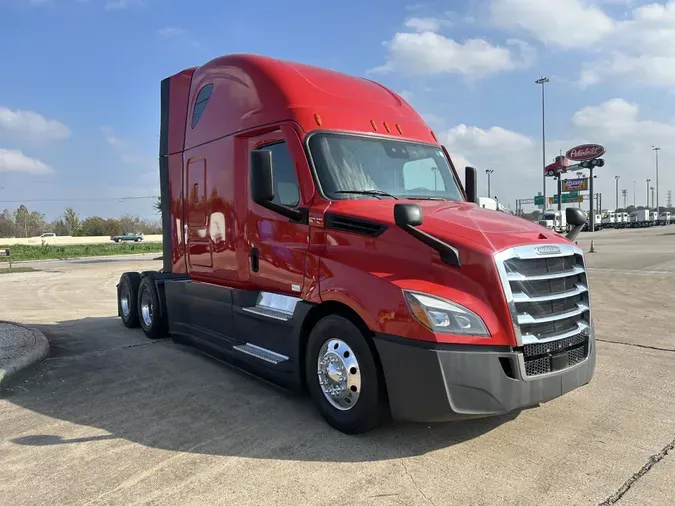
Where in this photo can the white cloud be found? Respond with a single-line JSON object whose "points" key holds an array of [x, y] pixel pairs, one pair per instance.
{"points": [[472, 138], [639, 47], [406, 95], [617, 124], [426, 24], [171, 31], [118, 5], [617, 118], [112, 138], [429, 53], [31, 126], [13, 160], [564, 23]]}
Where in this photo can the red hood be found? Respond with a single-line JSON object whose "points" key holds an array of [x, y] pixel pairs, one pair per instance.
{"points": [[459, 220]]}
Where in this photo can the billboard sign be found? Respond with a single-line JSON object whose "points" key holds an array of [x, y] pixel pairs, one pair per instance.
{"points": [[567, 198], [585, 152], [575, 184]]}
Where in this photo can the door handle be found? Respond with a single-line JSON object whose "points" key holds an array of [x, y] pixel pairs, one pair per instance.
{"points": [[255, 261]]}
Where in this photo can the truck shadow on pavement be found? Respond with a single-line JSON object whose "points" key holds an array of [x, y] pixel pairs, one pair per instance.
{"points": [[169, 396]]}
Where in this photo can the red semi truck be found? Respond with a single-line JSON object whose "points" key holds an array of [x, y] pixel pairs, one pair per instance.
{"points": [[316, 233]]}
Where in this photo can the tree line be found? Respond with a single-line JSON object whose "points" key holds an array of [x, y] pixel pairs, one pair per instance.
{"points": [[25, 223]]}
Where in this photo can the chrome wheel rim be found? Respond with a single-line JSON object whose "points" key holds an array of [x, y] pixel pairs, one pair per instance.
{"points": [[339, 374], [146, 308], [124, 301]]}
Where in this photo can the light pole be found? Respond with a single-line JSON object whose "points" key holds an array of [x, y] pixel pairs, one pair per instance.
{"points": [[543, 80], [488, 172], [656, 150], [616, 178], [648, 181], [652, 188], [625, 194], [633, 192]]}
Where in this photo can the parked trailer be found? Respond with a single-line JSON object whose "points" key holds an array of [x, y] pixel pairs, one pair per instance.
{"points": [[641, 218], [316, 234]]}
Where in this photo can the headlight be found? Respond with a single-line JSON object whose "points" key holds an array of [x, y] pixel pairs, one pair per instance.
{"points": [[442, 316]]}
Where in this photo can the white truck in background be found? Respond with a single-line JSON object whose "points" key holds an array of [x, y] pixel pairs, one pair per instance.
{"points": [[621, 220], [664, 218], [554, 220], [490, 203], [597, 221], [609, 219]]}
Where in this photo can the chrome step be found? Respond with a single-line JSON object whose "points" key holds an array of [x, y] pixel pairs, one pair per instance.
{"points": [[269, 312], [261, 353], [274, 305]]}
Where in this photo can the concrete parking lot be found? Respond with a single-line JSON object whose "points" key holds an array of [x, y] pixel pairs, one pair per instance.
{"points": [[113, 418]]}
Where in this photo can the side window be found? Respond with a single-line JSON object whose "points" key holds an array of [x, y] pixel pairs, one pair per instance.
{"points": [[422, 174], [286, 187], [200, 103]]}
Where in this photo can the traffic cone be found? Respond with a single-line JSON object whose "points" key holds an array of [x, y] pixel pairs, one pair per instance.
{"points": [[592, 250]]}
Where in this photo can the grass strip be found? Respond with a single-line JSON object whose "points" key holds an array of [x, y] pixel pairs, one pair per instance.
{"points": [[20, 252]]}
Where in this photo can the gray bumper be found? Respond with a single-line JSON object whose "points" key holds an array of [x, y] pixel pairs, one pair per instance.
{"points": [[433, 383]]}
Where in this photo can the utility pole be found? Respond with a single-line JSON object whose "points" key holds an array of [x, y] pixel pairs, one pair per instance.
{"points": [[488, 172], [624, 193], [669, 202], [633, 192], [616, 202], [652, 188], [542, 81], [648, 181], [656, 150]]}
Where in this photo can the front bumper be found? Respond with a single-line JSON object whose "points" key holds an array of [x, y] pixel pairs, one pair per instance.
{"points": [[435, 383]]}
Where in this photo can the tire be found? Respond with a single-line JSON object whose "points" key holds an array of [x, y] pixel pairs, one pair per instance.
{"points": [[354, 357], [149, 317], [127, 293]]}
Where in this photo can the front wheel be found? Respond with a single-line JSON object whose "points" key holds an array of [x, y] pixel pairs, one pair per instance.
{"points": [[343, 377]]}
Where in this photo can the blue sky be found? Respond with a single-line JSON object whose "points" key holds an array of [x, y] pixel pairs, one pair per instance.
{"points": [[79, 93]]}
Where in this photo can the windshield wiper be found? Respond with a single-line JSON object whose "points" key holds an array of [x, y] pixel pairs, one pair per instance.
{"points": [[426, 198], [374, 193]]}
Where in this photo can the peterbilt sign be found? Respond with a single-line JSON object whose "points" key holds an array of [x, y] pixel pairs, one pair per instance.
{"points": [[585, 152]]}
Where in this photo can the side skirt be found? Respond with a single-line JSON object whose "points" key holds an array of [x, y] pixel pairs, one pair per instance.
{"points": [[256, 331]]}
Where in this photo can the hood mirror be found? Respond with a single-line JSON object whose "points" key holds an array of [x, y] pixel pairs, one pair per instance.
{"points": [[576, 217]]}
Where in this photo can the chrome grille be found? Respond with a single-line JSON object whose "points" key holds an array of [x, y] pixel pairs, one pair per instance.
{"points": [[547, 291]]}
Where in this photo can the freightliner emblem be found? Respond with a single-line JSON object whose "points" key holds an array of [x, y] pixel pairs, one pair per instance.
{"points": [[547, 250]]}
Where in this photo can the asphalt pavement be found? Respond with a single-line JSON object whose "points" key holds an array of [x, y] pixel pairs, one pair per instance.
{"points": [[113, 418]]}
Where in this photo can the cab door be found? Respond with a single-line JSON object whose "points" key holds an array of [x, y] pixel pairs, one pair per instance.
{"points": [[276, 247], [196, 208]]}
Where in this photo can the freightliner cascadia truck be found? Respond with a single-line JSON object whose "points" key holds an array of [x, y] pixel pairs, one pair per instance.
{"points": [[317, 234]]}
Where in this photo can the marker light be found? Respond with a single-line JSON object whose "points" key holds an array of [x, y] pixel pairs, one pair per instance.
{"points": [[317, 118], [372, 124], [445, 317]]}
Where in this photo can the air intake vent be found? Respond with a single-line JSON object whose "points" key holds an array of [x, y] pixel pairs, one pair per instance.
{"points": [[354, 225]]}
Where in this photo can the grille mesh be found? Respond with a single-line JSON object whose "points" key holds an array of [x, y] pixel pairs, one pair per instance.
{"points": [[544, 364]]}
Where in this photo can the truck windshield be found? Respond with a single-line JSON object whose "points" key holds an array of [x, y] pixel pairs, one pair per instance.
{"points": [[359, 167]]}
